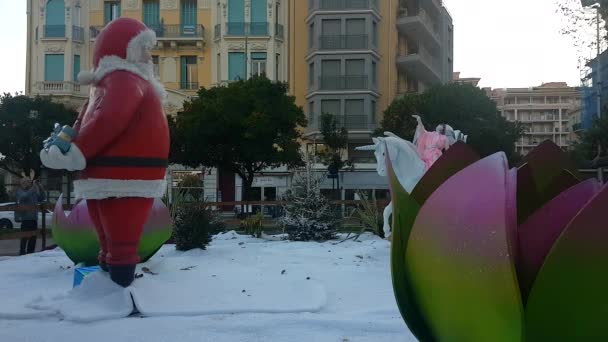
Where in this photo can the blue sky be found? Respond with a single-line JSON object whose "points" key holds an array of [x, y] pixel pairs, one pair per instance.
{"points": [[512, 43]]}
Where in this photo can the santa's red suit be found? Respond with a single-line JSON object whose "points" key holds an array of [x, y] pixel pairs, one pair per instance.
{"points": [[122, 143]]}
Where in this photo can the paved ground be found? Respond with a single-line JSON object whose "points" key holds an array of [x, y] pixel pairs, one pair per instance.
{"points": [[11, 247]]}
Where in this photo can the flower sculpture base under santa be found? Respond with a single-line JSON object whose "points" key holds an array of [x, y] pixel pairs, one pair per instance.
{"points": [[123, 170]]}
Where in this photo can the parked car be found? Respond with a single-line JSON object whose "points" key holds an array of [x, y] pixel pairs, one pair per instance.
{"points": [[7, 218]]}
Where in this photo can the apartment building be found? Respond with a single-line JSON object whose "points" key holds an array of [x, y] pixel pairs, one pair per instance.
{"points": [[546, 112], [351, 58]]}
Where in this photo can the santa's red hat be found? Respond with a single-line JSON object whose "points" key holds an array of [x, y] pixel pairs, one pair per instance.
{"points": [[121, 45]]}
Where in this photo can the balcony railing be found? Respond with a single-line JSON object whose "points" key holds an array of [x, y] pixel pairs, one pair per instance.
{"points": [[217, 33], [279, 31], [58, 87], [54, 31], [179, 31], [350, 122], [77, 33], [344, 42], [95, 30], [166, 31], [343, 4], [189, 85], [248, 29], [356, 82]]}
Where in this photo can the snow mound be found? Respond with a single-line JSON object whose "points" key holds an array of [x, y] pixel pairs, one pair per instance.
{"points": [[97, 298], [230, 291]]}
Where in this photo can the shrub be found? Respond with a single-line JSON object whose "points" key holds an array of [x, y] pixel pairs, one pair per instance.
{"points": [[369, 214], [308, 214], [194, 225], [253, 225]]}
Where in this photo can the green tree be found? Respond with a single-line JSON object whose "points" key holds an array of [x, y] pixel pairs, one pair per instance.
{"points": [[335, 138], [244, 128], [461, 106], [24, 124], [593, 142]]}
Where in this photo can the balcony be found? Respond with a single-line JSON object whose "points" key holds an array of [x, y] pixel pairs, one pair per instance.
{"points": [[189, 86], [253, 29], [77, 34], [420, 28], [167, 32], [53, 31], [217, 32], [357, 82], [181, 32], [58, 87], [422, 65], [350, 122], [344, 42], [279, 31], [342, 5]]}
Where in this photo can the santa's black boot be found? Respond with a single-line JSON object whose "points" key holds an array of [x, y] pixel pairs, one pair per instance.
{"points": [[122, 275]]}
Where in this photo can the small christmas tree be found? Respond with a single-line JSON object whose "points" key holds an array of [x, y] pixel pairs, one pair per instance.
{"points": [[308, 214]]}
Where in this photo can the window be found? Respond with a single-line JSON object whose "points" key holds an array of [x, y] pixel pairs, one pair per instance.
{"points": [[354, 113], [311, 113], [219, 67], [189, 73], [53, 68], [375, 33], [374, 73], [373, 112], [277, 12], [277, 66], [237, 69], [354, 108], [311, 74], [111, 11], [259, 24], [258, 63], [76, 67], [151, 13], [355, 67], [355, 26], [156, 67], [76, 16], [236, 17], [330, 74], [188, 18], [355, 74], [55, 19], [330, 107], [311, 35], [331, 27]]}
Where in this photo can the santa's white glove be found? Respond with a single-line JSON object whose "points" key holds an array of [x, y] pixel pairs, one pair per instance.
{"points": [[73, 160]]}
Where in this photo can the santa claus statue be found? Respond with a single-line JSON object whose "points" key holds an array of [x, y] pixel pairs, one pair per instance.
{"points": [[121, 144]]}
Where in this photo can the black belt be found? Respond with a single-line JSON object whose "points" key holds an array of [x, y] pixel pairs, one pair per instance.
{"points": [[128, 162]]}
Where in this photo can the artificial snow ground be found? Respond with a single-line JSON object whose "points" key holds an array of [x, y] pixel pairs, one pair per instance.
{"points": [[239, 289]]}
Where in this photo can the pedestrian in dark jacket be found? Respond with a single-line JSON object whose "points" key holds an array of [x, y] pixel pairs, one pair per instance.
{"points": [[30, 193]]}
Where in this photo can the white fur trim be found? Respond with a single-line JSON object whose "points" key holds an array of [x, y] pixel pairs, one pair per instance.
{"points": [[145, 40], [86, 77], [110, 64], [96, 188]]}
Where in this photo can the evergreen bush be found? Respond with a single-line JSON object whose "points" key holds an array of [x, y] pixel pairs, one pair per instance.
{"points": [[308, 214], [194, 226]]}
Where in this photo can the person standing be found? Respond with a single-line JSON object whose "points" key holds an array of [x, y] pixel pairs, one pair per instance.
{"points": [[30, 193]]}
